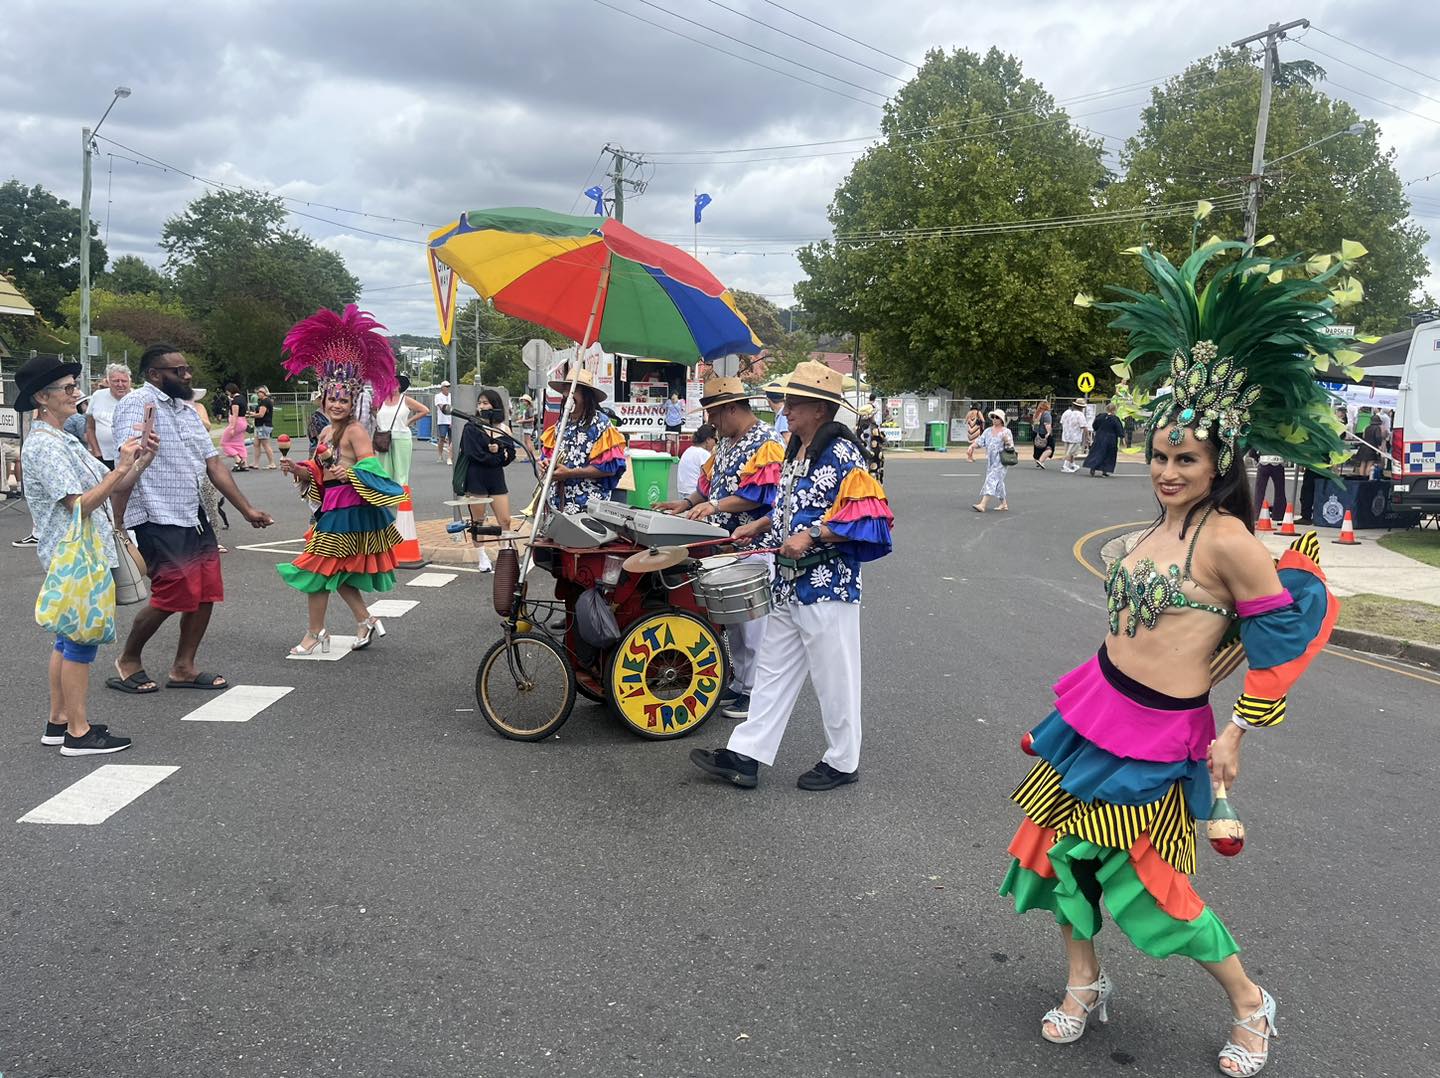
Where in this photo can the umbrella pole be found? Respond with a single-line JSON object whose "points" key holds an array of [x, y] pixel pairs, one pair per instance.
{"points": [[542, 513]]}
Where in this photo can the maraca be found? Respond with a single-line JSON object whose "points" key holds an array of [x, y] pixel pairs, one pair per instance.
{"points": [[1225, 831], [284, 443], [1027, 744]]}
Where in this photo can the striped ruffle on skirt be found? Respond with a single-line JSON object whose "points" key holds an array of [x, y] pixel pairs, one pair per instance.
{"points": [[353, 539], [1102, 825]]}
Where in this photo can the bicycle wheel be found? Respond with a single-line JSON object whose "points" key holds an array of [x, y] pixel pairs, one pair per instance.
{"points": [[525, 687], [666, 674]]}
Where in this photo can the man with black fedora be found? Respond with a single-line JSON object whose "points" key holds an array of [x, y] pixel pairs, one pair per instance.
{"points": [[829, 517], [737, 486]]}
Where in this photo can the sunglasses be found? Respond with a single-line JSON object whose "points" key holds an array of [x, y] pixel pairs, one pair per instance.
{"points": [[68, 387], [182, 369]]}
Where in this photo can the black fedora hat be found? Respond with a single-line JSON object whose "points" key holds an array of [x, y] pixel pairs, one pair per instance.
{"points": [[35, 374]]}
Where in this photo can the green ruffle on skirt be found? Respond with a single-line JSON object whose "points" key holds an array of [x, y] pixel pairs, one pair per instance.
{"points": [[1083, 873], [306, 581]]}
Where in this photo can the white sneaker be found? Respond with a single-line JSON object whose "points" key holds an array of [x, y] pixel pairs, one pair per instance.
{"points": [[484, 562]]}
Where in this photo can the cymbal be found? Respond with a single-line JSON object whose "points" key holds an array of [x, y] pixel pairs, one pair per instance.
{"points": [[654, 559]]}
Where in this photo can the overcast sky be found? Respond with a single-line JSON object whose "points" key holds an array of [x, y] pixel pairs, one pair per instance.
{"points": [[418, 111]]}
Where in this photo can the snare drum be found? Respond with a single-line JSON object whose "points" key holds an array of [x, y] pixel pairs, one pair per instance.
{"points": [[734, 592]]}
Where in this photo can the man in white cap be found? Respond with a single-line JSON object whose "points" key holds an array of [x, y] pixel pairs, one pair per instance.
{"points": [[442, 422], [737, 486], [829, 517]]}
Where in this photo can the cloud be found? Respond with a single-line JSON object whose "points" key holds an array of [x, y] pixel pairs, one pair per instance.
{"points": [[418, 111]]}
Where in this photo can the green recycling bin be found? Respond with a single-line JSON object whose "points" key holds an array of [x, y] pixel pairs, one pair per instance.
{"points": [[935, 435], [1024, 432], [651, 472]]}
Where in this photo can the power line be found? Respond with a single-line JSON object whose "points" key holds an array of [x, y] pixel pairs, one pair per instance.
{"points": [[1378, 56], [1379, 100], [737, 56], [757, 48], [804, 41], [847, 37], [1367, 71]]}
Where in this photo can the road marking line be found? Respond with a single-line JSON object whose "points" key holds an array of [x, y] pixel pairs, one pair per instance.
{"points": [[240, 703], [99, 795], [339, 648], [430, 580], [1331, 649], [392, 608], [276, 546]]}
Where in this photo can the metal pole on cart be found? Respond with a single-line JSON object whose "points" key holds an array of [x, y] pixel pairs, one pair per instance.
{"points": [[543, 509]]}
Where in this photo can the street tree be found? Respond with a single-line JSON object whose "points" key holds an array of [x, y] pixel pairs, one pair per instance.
{"points": [[969, 140], [1195, 142], [40, 245], [131, 275], [493, 358], [763, 316]]}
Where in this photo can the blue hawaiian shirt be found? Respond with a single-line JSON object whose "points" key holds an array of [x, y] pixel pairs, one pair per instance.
{"points": [[807, 491]]}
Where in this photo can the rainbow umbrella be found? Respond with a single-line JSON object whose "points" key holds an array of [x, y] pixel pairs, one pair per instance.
{"points": [[596, 282]]}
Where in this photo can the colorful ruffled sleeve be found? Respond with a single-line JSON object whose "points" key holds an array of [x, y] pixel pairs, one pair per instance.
{"points": [[1282, 633], [547, 444], [707, 473], [861, 514], [369, 481], [759, 478], [608, 454]]}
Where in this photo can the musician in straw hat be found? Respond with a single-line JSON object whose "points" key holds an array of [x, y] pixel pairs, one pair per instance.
{"points": [[737, 487], [591, 451], [830, 516]]}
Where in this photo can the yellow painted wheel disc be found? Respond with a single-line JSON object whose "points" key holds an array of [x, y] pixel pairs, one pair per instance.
{"points": [[666, 674]]}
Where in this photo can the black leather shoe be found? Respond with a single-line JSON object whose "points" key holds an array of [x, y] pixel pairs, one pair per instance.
{"points": [[824, 777], [724, 764]]}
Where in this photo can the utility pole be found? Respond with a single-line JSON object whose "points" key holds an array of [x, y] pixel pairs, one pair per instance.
{"points": [[87, 139], [619, 158], [478, 301], [1271, 38]]}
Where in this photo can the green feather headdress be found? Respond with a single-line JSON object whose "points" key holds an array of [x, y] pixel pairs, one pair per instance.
{"points": [[1242, 351]]}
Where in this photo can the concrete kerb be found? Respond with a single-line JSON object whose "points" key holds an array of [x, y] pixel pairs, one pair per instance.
{"points": [[437, 545], [1392, 647]]}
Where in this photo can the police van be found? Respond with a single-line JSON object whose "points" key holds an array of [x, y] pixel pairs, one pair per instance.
{"points": [[1416, 432]]}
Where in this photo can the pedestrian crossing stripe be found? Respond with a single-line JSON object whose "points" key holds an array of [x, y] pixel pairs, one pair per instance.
{"points": [[239, 703], [430, 580], [99, 795]]}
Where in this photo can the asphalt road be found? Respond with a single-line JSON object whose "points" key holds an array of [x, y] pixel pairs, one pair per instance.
{"points": [[364, 880]]}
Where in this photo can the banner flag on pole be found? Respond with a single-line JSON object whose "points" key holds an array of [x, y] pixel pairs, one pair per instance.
{"points": [[444, 283], [701, 201]]}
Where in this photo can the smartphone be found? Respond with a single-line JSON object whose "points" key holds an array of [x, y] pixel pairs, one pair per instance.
{"points": [[149, 426]]}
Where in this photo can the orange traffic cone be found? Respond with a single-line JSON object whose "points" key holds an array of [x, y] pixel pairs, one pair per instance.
{"points": [[1287, 526], [1347, 532], [1264, 524], [408, 552]]}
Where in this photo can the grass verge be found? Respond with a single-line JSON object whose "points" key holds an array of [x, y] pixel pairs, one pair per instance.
{"points": [[1420, 544], [1401, 618]]}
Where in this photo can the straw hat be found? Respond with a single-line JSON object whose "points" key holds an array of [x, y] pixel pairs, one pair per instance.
{"points": [[867, 411], [583, 380], [720, 391], [816, 381], [1079, 402]]}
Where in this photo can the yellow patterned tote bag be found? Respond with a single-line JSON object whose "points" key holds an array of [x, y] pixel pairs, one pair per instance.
{"points": [[77, 600]]}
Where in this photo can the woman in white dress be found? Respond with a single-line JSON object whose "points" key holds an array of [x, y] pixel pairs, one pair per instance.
{"points": [[996, 439]]}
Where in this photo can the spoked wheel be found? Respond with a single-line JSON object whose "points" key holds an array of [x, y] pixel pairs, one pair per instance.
{"points": [[665, 676], [525, 687]]}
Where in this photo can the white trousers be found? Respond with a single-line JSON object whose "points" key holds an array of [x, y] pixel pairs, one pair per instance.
{"points": [[822, 641], [745, 640]]}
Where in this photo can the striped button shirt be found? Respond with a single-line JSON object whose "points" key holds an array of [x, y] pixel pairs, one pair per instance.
{"points": [[168, 492]]}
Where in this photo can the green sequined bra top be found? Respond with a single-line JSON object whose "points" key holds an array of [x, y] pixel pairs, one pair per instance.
{"points": [[1147, 592]]}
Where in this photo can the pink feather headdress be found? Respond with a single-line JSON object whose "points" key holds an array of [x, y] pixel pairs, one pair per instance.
{"points": [[347, 349]]}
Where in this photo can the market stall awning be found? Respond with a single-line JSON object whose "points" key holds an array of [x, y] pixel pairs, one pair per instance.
{"points": [[12, 302]]}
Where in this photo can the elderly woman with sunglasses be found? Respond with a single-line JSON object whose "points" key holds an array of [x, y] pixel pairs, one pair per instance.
{"points": [[59, 475]]}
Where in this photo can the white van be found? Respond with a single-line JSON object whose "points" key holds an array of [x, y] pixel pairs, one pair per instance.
{"points": [[1416, 432]]}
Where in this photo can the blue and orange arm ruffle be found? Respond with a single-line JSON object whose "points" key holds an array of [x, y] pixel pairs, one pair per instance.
{"points": [[759, 478], [368, 479], [547, 443], [608, 453], [1283, 633], [861, 515], [707, 473]]}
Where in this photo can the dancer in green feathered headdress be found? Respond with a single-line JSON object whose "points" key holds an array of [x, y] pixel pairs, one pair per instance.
{"points": [[1127, 756]]}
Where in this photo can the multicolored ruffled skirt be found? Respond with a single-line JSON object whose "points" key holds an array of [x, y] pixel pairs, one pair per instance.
{"points": [[354, 537], [1110, 811]]}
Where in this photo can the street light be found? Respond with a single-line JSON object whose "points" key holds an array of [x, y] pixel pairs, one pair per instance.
{"points": [[87, 139], [1252, 202]]}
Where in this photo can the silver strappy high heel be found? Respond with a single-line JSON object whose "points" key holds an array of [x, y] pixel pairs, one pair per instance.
{"points": [[1248, 1063], [1072, 1027], [367, 631]]}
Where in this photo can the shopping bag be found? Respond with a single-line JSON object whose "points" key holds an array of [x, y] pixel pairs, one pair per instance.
{"points": [[77, 600]]}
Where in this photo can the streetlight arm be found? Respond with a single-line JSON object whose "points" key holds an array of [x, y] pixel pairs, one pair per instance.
{"points": [[1353, 129]]}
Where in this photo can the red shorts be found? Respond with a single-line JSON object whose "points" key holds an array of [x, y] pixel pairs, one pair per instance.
{"points": [[184, 565]]}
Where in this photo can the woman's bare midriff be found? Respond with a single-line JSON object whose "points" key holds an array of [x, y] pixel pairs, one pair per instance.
{"points": [[1172, 658]]}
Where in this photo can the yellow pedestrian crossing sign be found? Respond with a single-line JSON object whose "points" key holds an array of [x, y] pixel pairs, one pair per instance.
{"points": [[1086, 382]]}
